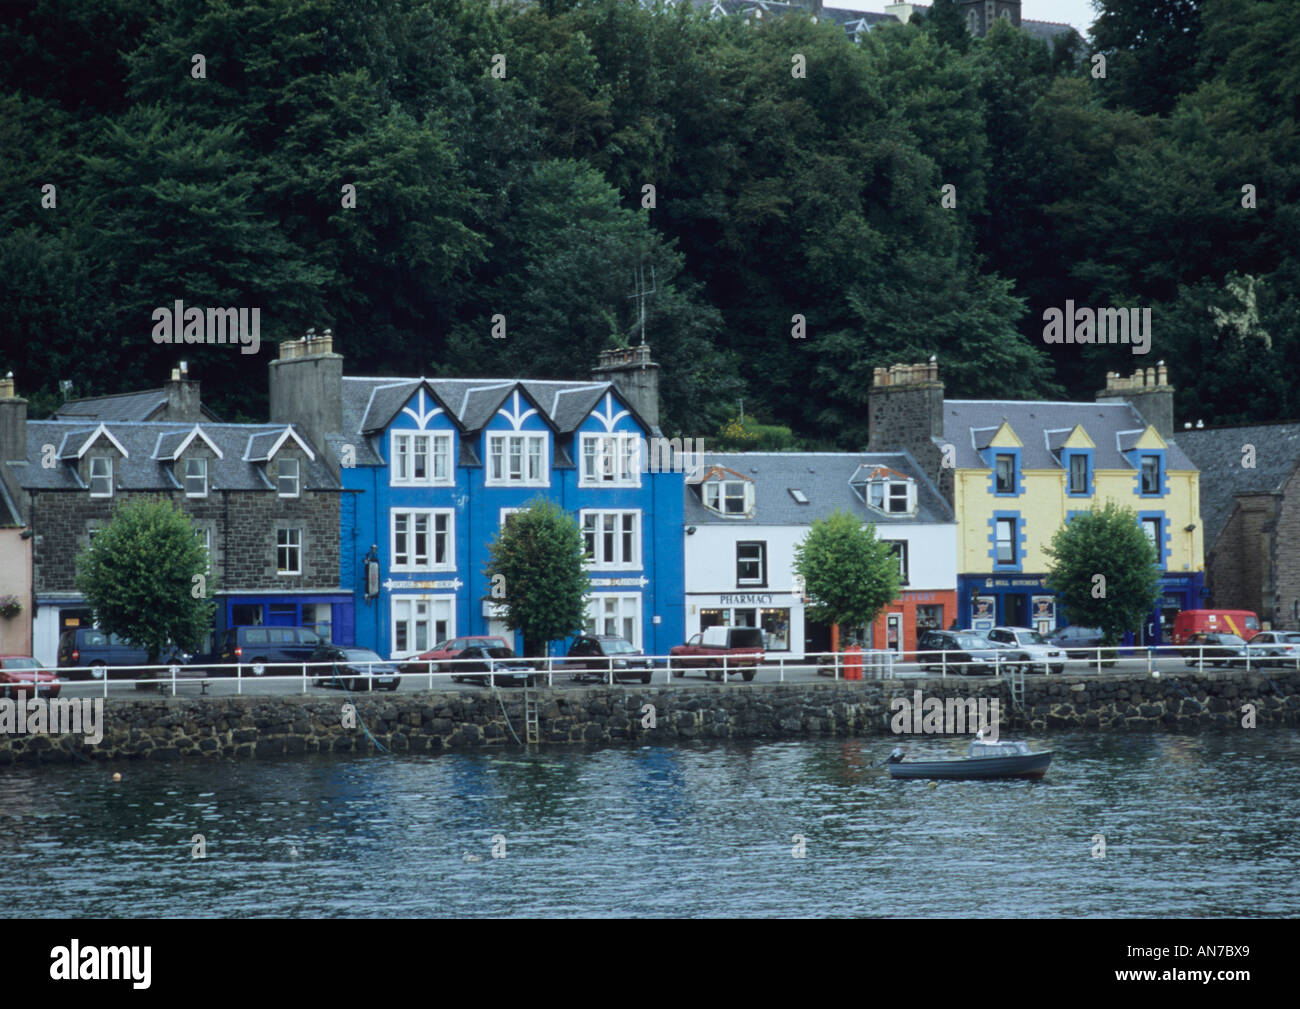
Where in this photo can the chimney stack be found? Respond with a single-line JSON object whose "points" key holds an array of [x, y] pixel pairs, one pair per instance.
{"points": [[13, 422], [1148, 392], [307, 386], [183, 400], [905, 410], [636, 376]]}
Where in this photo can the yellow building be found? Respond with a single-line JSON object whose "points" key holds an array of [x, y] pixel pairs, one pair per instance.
{"points": [[1015, 472]]}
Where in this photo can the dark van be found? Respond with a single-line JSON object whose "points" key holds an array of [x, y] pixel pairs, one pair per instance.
{"points": [[257, 648], [108, 654]]}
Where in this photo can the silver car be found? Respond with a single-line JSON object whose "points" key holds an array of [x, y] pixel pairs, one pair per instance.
{"points": [[1038, 654]]}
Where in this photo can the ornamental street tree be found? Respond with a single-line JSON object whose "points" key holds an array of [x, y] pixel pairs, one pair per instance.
{"points": [[145, 577], [1104, 571], [848, 573], [536, 572]]}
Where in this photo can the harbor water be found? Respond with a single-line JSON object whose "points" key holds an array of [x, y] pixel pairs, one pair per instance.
{"points": [[1124, 825]]}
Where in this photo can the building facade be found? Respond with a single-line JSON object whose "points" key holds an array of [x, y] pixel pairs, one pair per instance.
{"points": [[437, 466], [258, 496], [1015, 472], [745, 513], [1250, 504]]}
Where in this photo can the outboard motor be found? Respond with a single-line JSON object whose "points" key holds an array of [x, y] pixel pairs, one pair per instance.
{"points": [[896, 756]]}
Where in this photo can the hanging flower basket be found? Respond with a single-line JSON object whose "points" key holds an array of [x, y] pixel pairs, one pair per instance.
{"points": [[10, 606]]}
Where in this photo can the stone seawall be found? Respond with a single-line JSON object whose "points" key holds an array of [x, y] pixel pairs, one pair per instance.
{"points": [[433, 721]]}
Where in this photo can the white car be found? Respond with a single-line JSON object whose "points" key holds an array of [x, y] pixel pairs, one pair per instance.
{"points": [[1038, 653]]}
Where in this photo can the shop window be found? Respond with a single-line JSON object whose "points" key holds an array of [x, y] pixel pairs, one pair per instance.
{"points": [[776, 629], [246, 615]]}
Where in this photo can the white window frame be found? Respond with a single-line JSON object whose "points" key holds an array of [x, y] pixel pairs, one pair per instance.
{"points": [[108, 460], [405, 610], [281, 477], [436, 447], [500, 459], [627, 607], [204, 534], [597, 561], [506, 513], [283, 541], [610, 460], [431, 517], [716, 495], [761, 580], [203, 475]]}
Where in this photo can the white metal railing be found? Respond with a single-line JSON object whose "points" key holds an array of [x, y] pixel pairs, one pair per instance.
{"points": [[868, 664]]}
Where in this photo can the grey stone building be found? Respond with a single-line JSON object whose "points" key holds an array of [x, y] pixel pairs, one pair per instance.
{"points": [[265, 506], [1250, 504]]}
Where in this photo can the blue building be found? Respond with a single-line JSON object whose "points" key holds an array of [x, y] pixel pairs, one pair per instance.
{"points": [[432, 468]]}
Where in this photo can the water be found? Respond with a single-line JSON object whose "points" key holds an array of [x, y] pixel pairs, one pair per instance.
{"points": [[1194, 826]]}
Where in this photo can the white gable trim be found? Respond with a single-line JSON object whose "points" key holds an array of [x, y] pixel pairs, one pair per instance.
{"points": [[94, 436]]}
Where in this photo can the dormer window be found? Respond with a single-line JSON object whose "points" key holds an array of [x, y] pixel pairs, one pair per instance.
{"points": [[101, 476], [893, 496], [1078, 474], [1150, 474], [196, 478], [287, 477], [1006, 470], [729, 497]]}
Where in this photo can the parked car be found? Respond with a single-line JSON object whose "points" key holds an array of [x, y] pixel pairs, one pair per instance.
{"points": [[1213, 648], [356, 669], [1243, 623], [507, 667], [1274, 648], [597, 654], [733, 649], [1038, 653], [108, 655], [449, 649], [965, 652], [259, 648], [1075, 639], [21, 675]]}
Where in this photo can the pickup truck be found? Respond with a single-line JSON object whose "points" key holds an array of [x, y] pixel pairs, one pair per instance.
{"points": [[739, 648]]}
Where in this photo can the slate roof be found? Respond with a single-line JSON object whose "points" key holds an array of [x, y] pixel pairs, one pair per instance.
{"points": [[971, 422], [824, 477], [853, 21], [123, 406], [1217, 453], [144, 470], [369, 404]]}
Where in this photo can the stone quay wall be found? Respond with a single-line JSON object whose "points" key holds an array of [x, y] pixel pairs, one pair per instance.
{"points": [[169, 728]]}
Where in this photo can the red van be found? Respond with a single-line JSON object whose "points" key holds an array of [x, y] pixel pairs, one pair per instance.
{"points": [[1242, 623]]}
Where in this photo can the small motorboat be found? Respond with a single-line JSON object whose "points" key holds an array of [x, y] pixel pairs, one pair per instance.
{"points": [[1003, 759]]}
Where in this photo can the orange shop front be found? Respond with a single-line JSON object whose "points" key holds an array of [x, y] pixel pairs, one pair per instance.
{"points": [[906, 619]]}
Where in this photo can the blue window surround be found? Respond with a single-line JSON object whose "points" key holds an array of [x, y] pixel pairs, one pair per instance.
{"points": [[1066, 455], [1135, 457], [1164, 542], [1020, 540], [991, 459]]}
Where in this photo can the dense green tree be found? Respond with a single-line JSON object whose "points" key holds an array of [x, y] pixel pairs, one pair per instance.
{"points": [[1104, 571], [1151, 49], [847, 572], [537, 573], [145, 577]]}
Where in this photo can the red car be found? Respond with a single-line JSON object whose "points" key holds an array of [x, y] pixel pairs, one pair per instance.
{"points": [[449, 649], [19, 674]]}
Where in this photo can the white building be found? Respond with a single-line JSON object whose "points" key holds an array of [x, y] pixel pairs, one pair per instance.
{"points": [[746, 511]]}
